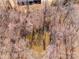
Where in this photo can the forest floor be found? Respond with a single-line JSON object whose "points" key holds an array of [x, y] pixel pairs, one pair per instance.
{"points": [[23, 37]]}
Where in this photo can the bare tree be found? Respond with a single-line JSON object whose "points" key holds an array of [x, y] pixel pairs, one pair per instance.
{"points": [[27, 2]]}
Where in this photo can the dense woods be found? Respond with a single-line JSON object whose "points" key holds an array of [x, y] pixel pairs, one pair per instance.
{"points": [[43, 32]]}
